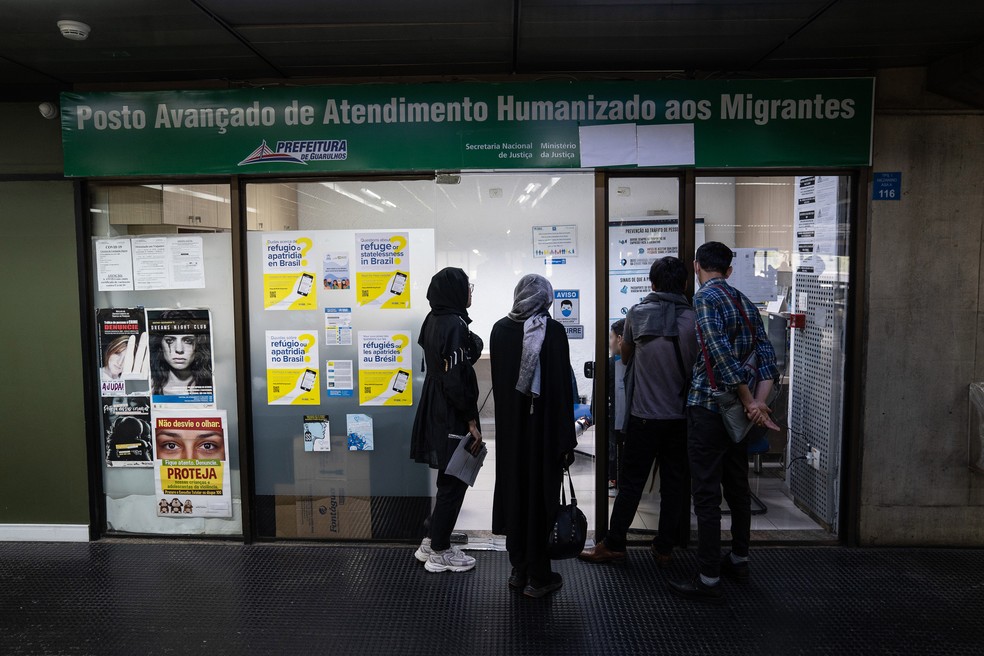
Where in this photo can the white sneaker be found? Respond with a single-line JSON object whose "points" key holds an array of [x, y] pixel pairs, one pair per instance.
{"points": [[449, 560], [424, 550]]}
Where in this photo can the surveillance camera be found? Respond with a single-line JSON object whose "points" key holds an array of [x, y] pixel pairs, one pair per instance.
{"points": [[48, 110]]}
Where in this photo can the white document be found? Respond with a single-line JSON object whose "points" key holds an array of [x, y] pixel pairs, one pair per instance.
{"points": [[114, 265], [463, 465], [338, 326], [186, 263], [168, 263], [608, 145], [666, 145], [150, 263]]}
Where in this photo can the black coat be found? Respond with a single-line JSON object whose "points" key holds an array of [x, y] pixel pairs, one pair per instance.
{"points": [[528, 446], [449, 399]]}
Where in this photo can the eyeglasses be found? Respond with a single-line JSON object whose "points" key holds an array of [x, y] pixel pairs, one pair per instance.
{"points": [[471, 287]]}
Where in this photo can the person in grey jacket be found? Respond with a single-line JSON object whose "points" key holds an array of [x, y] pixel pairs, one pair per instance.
{"points": [[659, 347]]}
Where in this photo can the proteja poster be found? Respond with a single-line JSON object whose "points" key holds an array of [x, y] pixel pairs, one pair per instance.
{"points": [[191, 458]]}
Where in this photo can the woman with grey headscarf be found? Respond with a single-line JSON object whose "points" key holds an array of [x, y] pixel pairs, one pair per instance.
{"points": [[534, 431]]}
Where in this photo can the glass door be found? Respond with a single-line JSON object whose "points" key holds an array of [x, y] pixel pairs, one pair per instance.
{"points": [[643, 226]]}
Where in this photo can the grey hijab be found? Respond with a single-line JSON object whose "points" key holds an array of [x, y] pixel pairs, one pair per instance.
{"points": [[532, 299]]}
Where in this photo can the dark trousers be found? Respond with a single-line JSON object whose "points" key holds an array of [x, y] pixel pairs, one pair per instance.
{"points": [[450, 495], [530, 560], [645, 441], [612, 456], [715, 463]]}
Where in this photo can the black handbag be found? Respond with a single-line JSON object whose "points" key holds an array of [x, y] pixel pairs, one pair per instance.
{"points": [[570, 529]]}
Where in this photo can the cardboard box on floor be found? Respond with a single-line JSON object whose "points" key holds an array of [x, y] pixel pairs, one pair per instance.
{"points": [[327, 469], [330, 495], [334, 515]]}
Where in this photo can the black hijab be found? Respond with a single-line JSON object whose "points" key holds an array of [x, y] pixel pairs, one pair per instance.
{"points": [[448, 293]]}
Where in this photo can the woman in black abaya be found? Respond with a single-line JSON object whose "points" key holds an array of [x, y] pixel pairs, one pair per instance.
{"points": [[534, 431], [448, 406]]}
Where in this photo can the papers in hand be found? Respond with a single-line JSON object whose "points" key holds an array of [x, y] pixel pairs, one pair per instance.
{"points": [[463, 465]]}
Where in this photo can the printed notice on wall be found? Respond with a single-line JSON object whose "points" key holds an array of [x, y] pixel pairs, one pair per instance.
{"points": [[555, 240], [168, 263], [624, 291], [289, 273], [635, 246], [114, 265], [292, 367], [383, 274], [129, 438], [181, 362], [815, 222], [339, 378], [124, 358], [338, 326], [190, 464], [385, 374], [317, 433], [359, 431], [336, 274]]}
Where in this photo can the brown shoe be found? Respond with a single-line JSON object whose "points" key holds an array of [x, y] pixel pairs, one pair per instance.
{"points": [[602, 554], [663, 560]]}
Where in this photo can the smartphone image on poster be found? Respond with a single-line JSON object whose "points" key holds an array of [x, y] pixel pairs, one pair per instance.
{"points": [[399, 283], [400, 384], [304, 287], [307, 381]]}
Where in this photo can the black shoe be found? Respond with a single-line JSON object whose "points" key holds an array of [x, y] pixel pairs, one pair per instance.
{"points": [[735, 571], [517, 581], [696, 590], [536, 591]]}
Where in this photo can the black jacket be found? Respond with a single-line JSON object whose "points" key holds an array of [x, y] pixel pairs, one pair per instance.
{"points": [[449, 399]]}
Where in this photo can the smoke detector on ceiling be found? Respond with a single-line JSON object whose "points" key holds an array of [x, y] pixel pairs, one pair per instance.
{"points": [[74, 30]]}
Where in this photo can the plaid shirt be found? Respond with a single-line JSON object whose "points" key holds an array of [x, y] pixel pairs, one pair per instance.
{"points": [[728, 341]]}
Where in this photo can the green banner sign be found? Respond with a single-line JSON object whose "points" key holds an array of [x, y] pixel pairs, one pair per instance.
{"points": [[426, 127]]}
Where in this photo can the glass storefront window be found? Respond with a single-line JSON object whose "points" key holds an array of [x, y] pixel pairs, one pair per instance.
{"points": [[317, 309], [162, 257]]}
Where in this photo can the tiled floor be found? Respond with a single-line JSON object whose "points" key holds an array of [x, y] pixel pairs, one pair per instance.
{"points": [[781, 515]]}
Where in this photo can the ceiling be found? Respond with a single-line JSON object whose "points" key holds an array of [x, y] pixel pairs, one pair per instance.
{"points": [[187, 43]]}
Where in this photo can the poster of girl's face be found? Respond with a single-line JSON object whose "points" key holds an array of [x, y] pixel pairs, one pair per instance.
{"points": [[180, 357]]}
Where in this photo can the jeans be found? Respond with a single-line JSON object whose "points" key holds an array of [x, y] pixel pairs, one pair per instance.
{"points": [[646, 441], [450, 495], [715, 463]]}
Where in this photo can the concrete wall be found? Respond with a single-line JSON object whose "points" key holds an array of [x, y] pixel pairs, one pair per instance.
{"points": [[925, 320]]}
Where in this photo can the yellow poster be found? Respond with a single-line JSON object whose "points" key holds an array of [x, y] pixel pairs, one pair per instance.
{"points": [[289, 273], [292, 368], [382, 278], [385, 372], [191, 478]]}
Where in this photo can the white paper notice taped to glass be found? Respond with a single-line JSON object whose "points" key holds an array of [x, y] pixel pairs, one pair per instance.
{"points": [[666, 145], [608, 145]]}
